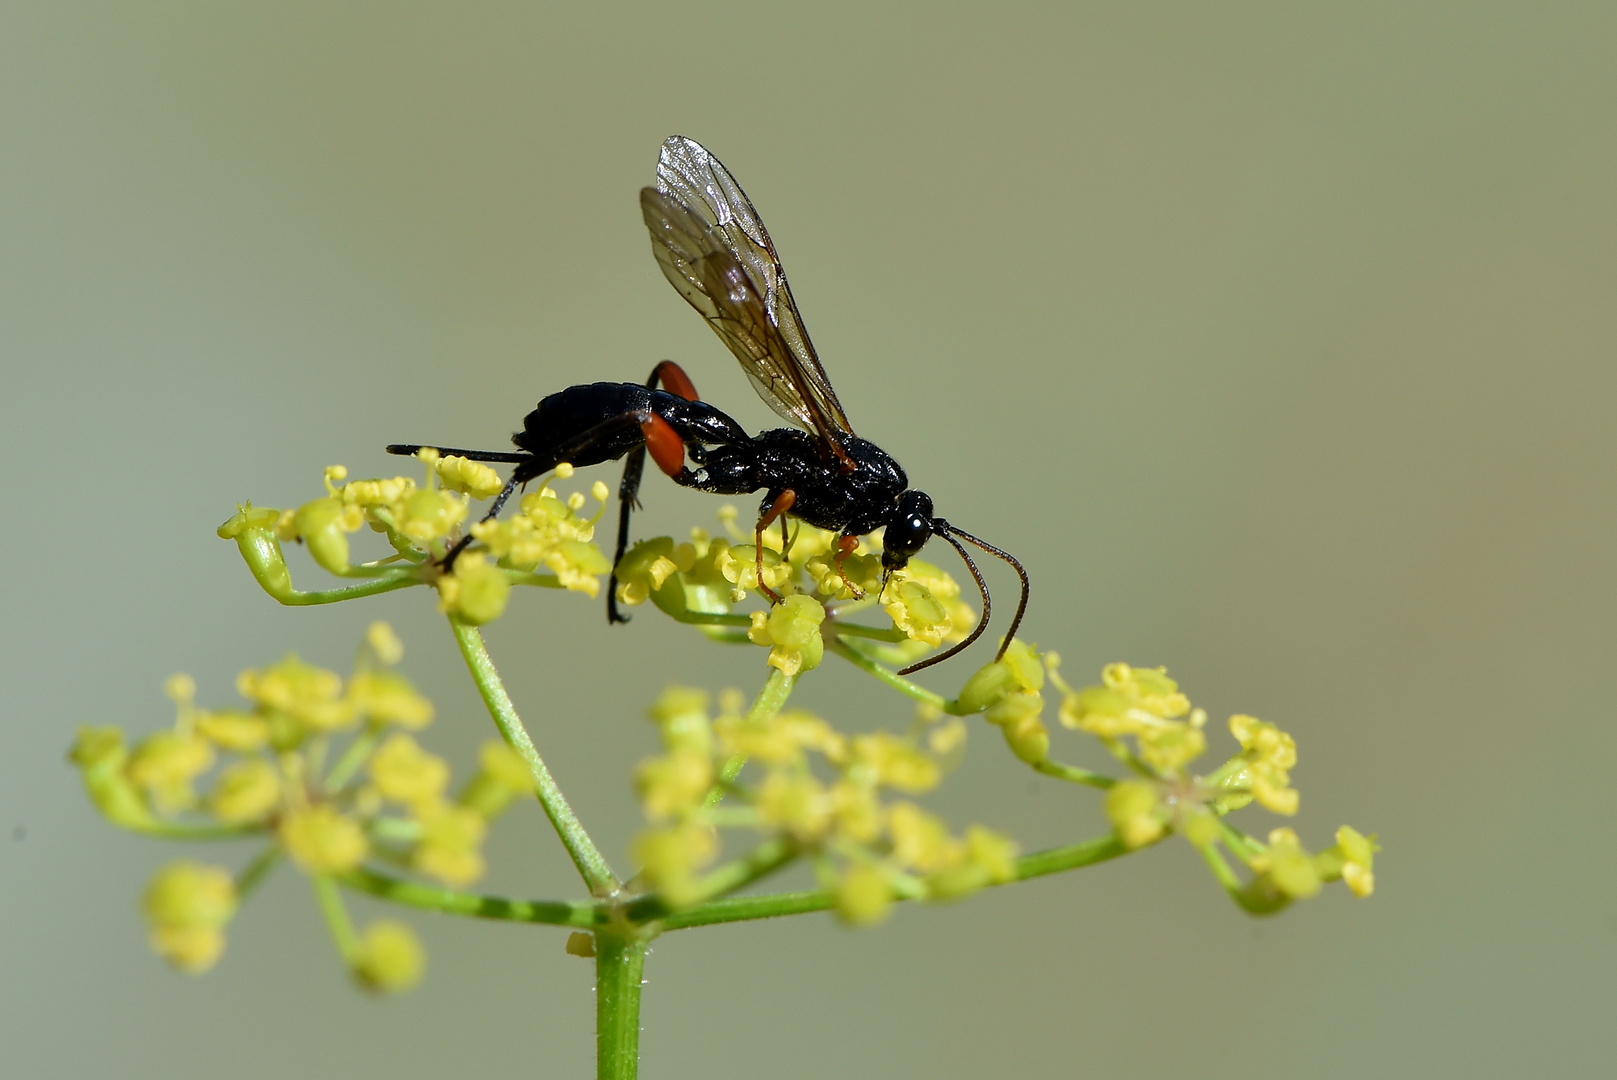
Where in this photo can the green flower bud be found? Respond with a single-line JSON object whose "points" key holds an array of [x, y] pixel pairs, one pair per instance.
{"points": [[476, 592], [261, 551], [320, 523], [100, 755]]}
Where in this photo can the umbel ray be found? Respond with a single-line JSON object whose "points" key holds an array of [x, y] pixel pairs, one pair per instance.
{"points": [[714, 249]]}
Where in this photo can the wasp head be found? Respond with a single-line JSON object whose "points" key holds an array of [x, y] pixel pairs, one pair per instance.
{"points": [[907, 530]]}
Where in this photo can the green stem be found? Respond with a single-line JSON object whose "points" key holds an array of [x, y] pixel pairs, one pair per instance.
{"points": [[1074, 774], [527, 577], [770, 700], [620, 960], [746, 908], [592, 865], [710, 618], [758, 863], [1221, 871], [891, 634], [336, 915], [165, 830], [253, 874], [353, 757], [773, 905], [581, 914], [1245, 847], [372, 587], [890, 677]]}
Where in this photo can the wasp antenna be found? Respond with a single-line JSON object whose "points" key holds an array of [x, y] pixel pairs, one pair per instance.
{"points": [[1021, 607], [945, 530], [949, 532]]}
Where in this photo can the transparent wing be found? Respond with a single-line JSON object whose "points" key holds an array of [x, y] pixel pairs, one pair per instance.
{"points": [[713, 248]]}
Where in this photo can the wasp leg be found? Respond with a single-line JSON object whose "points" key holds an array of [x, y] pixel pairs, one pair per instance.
{"points": [[676, 382], [844, 548], [532, 465], [776, 509]]}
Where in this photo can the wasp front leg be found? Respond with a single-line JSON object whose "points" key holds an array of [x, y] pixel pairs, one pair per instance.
{"points": [[845, 546]]}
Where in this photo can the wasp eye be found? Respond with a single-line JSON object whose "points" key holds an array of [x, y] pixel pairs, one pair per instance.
{"points": [[907, 530]]}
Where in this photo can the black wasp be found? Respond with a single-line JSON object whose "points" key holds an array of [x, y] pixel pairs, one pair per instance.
{"points": [[713, 247]]}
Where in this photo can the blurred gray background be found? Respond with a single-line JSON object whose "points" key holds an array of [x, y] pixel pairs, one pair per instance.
{"points": [[1276, 339]]}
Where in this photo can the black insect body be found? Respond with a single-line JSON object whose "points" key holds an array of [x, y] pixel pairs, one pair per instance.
{"points": [[713, 248]]}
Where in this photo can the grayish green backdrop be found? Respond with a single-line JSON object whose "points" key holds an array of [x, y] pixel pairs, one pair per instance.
{"points": [[1277, 340]]}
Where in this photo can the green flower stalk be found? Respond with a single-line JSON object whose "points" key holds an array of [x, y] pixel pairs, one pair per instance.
{"points": [[332, 775]]}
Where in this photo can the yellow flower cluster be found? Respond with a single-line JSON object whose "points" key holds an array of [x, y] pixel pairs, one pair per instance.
{"points": [[545, 532], [819, 790], [327, 805], [1285, 870], [710, 574], [1143, 703], [187, 906]]}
